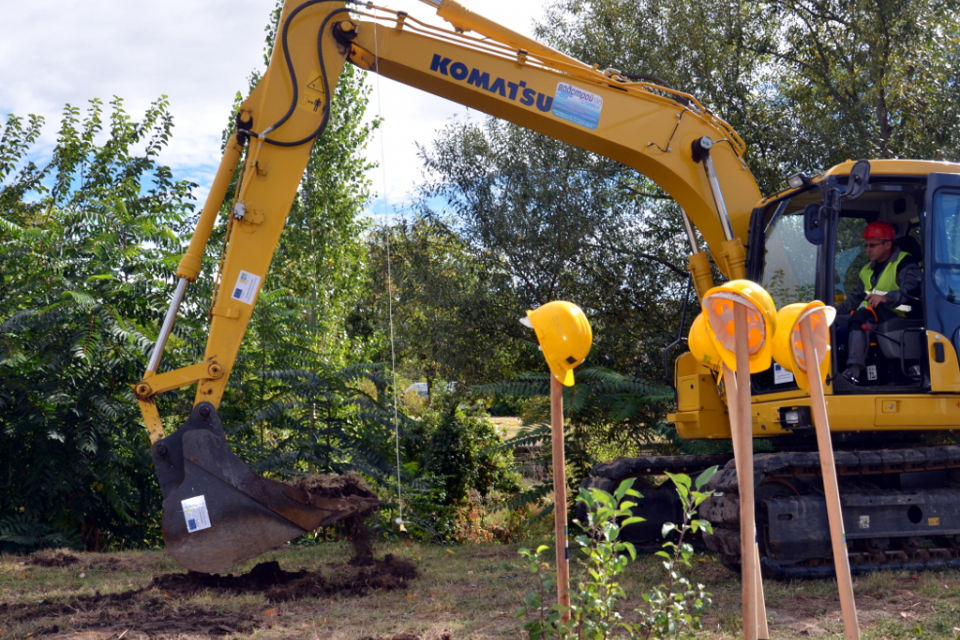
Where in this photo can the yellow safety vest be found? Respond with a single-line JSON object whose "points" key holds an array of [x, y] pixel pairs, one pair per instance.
{"points": [[886, 283]]}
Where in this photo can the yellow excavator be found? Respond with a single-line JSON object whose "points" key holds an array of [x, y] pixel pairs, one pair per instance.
{"points": [[800, 244]]}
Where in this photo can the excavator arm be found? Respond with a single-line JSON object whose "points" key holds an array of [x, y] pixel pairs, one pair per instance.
{"points": [[647, 127], [216, 511]]}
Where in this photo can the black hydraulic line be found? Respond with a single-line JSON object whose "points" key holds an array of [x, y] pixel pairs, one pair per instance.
{"points": [[293, 78], [669, 347], [323, 75]]}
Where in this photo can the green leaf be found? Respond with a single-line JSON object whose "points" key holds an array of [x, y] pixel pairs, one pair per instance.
{"points": [[706, 476]]}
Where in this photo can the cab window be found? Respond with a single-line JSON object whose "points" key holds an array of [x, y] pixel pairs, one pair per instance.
{"points": [[946, 262], [789, 262]]}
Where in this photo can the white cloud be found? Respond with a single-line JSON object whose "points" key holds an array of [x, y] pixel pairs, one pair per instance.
{"points": [[199, 54], [412, 116], [57, 52]]}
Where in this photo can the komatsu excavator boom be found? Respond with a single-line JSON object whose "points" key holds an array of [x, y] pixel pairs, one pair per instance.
{"points": [[664, 134], [216, 511]]}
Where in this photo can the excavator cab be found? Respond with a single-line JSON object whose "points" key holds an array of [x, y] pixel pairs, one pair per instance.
{"points": [[796, 269], [797, 260]]}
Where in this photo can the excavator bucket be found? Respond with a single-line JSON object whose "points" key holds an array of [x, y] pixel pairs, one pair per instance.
{"points": [[218, 513]]}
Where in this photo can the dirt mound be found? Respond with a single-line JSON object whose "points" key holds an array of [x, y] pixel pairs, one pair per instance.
{"points": [[342, 486], [53, 558], [284, 586], [262, 577]]}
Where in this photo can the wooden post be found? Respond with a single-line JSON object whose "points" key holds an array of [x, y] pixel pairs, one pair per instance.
{"points": [[754, 618], [831, 490], [560, 495], [733, 404]]}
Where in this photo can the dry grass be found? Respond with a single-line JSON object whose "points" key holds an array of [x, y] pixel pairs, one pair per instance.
{"points": [[466, 592], [507, 426]]}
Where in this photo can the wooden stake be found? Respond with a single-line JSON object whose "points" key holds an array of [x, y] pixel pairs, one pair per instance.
{"points": [[753, 616], [560, 496], [733, 403], [831, 490]]}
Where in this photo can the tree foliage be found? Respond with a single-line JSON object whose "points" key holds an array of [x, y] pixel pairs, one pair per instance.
{"points": [[807, 83], [90, 241], [562, 223], [452, 315], [85, 246]]}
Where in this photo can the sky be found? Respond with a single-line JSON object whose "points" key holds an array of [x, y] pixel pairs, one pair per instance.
{"points": [[200, 53]]}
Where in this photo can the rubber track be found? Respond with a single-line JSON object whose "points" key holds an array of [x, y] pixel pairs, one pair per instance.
{"points": [[802, 464]]}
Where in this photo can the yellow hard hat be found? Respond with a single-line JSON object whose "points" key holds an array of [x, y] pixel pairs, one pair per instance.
{"points": [[565, 337], [701, 344], [718, 307], [788, 345]]}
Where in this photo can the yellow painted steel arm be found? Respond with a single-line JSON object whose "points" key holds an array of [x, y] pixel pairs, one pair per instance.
{"points": [[646, 127], [290, 114], [649, 128], [271, 173]]}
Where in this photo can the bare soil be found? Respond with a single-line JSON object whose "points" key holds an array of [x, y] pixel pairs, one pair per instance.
{"points": [[143, 609]]}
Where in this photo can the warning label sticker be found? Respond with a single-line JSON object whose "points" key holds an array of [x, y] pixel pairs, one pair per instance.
{"points": [[312, 96], [195, 513], [781, 375], [246, 288]]}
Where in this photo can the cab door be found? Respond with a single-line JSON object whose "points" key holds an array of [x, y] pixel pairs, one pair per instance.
{"points": [[941, 273]]}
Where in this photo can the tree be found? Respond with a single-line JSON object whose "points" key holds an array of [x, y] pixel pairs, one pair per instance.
{"points": [[321, 256], [807, 84], [90, 243], [874, 79], [86, 244], [710, 49], [318, 271], [563, 223], [452, 315]]}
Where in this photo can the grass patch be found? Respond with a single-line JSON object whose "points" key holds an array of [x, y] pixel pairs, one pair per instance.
{"points": [[470, 592]]}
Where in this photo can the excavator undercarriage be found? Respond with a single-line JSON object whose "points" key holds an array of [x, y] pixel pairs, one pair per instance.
{"points": [[901, 508]]}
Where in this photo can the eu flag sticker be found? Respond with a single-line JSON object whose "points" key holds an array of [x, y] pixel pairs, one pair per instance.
{"points": [[195, 513], [246, 288]]}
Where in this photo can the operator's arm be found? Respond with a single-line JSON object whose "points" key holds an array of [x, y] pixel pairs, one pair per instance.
{"points": [[852, 301], [909, 279]]}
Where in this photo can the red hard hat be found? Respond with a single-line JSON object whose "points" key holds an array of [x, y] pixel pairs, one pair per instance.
{"points": [[879, 231]]}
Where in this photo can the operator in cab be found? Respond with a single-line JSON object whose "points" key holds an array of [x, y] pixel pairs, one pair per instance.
{"points": [[888, 287]]}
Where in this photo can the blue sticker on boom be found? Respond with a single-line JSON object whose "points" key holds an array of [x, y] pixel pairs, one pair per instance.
{"points": [[578, 106]]}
